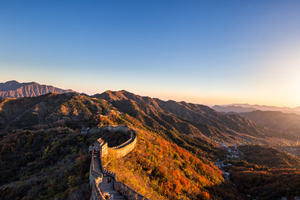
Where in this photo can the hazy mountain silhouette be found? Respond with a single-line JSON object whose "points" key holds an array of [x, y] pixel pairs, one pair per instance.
{"points": [[233, 109], [240, 108], [14, 89]]}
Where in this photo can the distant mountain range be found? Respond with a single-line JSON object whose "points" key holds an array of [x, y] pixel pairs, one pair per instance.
{"points": [[14, 89], [241, 108], [287, 122]]}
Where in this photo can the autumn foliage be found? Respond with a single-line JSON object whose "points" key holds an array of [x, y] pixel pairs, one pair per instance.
{"points": [[159, 169]]}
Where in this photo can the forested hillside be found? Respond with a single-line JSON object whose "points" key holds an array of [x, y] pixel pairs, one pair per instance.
{"points": [[266, 173], [51, 164], [159, 169], [43, 154]]}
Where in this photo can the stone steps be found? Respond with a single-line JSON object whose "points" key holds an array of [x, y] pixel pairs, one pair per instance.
{"points": [[109, 188]]}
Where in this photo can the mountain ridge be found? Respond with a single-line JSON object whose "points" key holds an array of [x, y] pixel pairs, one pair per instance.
{"points": [[286, 122], [190, 119], [241, 108], [14, 89]]}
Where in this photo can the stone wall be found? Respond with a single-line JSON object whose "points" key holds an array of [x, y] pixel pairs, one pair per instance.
{"points": [[125, 190], [95, 179], [93, 130], [120, 151], [93, 173], [110, 128], [125, 148], [104, 149], [96, 192]]}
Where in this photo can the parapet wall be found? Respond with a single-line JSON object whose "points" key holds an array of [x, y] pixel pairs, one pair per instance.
{"points": [[94, 174], [104, 150], [125, 190], [123, 149], [96, 178]]}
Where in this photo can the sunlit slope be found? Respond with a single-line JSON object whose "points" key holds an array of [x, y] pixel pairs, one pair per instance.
{"points": [[159, 169], [51, 109]]}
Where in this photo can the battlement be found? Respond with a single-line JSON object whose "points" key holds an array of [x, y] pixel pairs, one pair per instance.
{"points": [[119, 151], [125, 148]]}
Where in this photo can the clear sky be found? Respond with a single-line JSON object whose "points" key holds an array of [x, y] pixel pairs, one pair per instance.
{"points": [[209, 52]]}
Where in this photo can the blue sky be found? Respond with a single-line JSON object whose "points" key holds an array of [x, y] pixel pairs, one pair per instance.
{"points": [[210, 52]]}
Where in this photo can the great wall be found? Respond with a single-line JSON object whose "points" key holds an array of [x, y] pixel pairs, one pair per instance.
{"points": [[104, 183]]}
